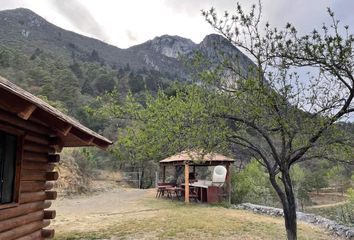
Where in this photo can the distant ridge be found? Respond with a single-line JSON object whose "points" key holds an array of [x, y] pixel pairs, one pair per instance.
{"points": [[26, 31]]}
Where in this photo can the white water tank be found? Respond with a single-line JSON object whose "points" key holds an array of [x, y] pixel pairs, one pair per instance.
{"points": [[219, 175]]}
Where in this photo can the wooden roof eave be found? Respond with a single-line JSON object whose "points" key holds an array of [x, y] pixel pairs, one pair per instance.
{"points": [[26, 106]]}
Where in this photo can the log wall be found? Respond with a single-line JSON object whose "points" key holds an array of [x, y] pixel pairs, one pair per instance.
{"points": [[29, 219]]}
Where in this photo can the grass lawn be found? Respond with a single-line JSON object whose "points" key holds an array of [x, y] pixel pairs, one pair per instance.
{"points": [[164, 219]]}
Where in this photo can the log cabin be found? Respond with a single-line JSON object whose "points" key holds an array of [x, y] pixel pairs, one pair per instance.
{"points": [[32, 133]]}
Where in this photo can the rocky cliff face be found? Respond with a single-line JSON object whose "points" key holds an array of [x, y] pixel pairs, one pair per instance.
{"points": [[172, 46]]}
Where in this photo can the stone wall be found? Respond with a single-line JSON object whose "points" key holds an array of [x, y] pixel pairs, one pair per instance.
{"points": [[340, 230]]}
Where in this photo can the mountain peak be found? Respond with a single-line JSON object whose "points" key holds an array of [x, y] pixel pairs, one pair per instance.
{"points": [[23, 16], [172, 46], [214, 39]]}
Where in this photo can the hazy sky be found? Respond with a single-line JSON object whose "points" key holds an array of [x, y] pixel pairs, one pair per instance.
{"points": [[128, 22]]}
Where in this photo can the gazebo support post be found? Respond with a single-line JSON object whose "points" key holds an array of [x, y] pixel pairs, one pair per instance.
{"points": [[163, 173], [228, 181], [186, 181]]}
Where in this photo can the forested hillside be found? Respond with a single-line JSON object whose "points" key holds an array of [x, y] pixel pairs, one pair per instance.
{"points": [[71, 71]]}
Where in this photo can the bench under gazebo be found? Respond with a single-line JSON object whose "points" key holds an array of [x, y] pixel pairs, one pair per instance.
{"points": [[207, 191]]}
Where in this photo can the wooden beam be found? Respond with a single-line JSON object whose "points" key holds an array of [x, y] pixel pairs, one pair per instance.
{"points": [[28, 125], [35, 186], [39, 166], [52, 122], [47, 204], [51, 195], [49, 214], [100, 143], [53, 158], [48, 233], [15, 104], [24, 230], [57, 143], [34, 147], [52, 176], [85, 137], [33, 197], [35, 157], [27, 112], [33, 236], [21, 220], [37, 138], [163, 174], [228, 181], [186, 181], [23, 209], [30, 175]]}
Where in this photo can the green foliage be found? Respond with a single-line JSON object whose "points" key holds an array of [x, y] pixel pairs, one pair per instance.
{"points": [[301, 185], [251, 184], [57, 104], [336, 175], [316, 179]]}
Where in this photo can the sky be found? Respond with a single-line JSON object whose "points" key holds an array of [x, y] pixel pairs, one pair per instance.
{"points": [[124, 23]]}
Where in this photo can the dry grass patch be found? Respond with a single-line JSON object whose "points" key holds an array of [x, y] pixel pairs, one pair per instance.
{"points": [[164, 219]]}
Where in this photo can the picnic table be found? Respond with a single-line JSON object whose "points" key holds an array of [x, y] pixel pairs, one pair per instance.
{"points": [[174, 191]]}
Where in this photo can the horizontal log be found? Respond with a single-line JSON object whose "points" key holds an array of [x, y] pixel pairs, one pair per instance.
{"points": [[37, 138], [24, 230], [30, 175], [51, 195], [27, 175], [27, 125], [47, 204], [35, 157], [50, 214], [37, 235], [35, 147], [48, 233], [33, 197], [23, 209], [21, 220], [53, 158], [35, 186], [57, 143], [40, 166], [52, 176]]}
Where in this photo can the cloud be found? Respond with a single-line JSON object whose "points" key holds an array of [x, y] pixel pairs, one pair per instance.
{"points": [[131, 36], [80, 17], [302, 13]]}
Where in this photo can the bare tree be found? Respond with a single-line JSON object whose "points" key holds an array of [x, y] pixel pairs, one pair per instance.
{"points": [[285, 118]]}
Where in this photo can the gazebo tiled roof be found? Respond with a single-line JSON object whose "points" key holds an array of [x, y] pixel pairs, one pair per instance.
{"points": [[197, 158]]}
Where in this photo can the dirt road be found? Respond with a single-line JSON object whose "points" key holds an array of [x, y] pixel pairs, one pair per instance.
{"points": [[83, 212]]}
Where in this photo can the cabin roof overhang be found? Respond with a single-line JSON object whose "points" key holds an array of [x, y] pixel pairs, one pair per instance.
{"points": [[26, 106]]}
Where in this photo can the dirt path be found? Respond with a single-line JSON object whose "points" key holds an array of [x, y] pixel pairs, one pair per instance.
{"points": [[326, 200], [327, 205], [81, 212]]}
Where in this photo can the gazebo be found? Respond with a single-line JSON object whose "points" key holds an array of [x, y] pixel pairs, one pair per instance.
{"points": [[195, 159]]}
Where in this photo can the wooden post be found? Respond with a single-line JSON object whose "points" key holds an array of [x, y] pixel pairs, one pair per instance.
{"points": [[163, 173], [228, 181], [186, 181]]}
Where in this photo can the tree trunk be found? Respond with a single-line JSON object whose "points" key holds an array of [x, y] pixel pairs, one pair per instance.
{"points": [[287, 199]]}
